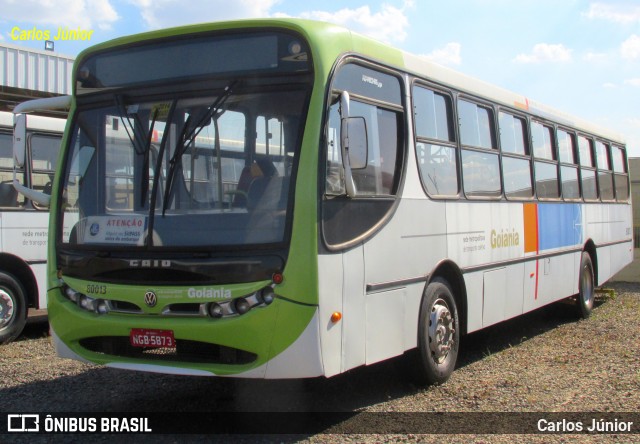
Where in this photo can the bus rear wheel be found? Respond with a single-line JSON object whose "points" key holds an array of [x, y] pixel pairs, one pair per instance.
{"points": [[438, 335], [13, 308], [586, 286]]}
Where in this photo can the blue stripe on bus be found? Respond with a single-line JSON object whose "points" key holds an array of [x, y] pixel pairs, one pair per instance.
{"points": [[559, 225]]}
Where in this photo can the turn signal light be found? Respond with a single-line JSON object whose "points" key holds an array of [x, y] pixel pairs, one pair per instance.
{"points": [[336, 316], [277, 278]]}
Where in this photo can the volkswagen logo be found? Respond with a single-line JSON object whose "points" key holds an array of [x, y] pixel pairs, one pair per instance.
{"points": [[150, 299]]}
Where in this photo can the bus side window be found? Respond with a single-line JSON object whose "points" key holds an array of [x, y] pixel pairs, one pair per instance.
{"points": [[334, 171], [378, 178], [9, 197], [587, 169], [568, 167], [435, 142], [621, 177], [546, 163], [605, 176], [516, 159], [44, 155], [480, 164]]}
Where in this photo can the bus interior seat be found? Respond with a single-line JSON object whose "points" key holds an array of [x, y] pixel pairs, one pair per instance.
{"points": [[268, 193], [8, 195], [240, 198]]}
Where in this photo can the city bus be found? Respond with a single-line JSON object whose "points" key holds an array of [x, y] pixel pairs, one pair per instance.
{"points": [[285, 199], [24, 223]]}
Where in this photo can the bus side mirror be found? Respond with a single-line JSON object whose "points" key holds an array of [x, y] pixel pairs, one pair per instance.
{"points": [[19, 140], [358, 144], [353, 141]]}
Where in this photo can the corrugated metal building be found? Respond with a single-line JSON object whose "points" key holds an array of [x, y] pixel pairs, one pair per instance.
{"points": [[27, 73]]}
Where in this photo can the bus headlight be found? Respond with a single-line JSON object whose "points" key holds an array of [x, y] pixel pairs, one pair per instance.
{"points": [[242, 306], [102, 307], [85, 302], [267, 295], [71, 294], [215, 310]]}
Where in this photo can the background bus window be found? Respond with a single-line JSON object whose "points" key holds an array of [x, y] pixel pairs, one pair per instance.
{"points": [[568, 168], [516, 162], [476, 125], [44, 158], [480, 168], [587, 169], [546, 169], [542, 137], [547, 180], [513, 135], [435, 146], [517, 178], [605, 177], [621, 178], [9, 197], [586, 152]]}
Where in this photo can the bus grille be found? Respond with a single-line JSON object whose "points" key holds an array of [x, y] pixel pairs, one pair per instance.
{"points": [[185, 351]]}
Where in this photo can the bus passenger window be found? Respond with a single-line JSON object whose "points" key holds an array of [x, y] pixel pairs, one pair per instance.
{"points": [[621, 178], [587, 169], [480, 165], [435, 142], [516, 162], [9, 197], [568, 168], [605, 177]]}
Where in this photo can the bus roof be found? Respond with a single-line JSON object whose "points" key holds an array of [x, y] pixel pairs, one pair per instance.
{"points": [[37, 123], [330, 41]]}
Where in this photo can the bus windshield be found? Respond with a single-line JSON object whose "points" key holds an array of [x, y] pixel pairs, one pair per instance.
{"points": [[200, 171]]}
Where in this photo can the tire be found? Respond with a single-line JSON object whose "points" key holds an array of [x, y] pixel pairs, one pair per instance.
{"points": [[13, 308], [435, 358], [586, 286]]}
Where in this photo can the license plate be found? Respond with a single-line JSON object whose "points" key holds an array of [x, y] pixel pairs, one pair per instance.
{"points": [[142, 337]]}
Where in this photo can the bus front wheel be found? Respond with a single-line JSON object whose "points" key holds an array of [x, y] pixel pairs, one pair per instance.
{"points": [[13, 308], [438, 335], [586, 286]]}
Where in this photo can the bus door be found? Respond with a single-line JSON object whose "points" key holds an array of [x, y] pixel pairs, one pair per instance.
{"points": [[365, 156]]}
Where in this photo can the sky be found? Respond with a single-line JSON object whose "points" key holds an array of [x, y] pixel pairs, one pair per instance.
{"points": [[579, 56]]}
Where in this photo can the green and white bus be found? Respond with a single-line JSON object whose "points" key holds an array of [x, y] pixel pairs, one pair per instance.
{"points": [[285, 199]]}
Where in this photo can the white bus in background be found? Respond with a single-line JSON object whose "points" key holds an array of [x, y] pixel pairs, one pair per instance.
{"points": [[24, 224]]}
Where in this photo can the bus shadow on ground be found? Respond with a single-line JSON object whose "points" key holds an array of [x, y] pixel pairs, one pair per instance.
{"points": [[100, 389]]}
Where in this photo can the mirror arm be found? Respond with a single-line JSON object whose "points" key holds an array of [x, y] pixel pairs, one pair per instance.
{"points": [[36, 196], [350, 185]]}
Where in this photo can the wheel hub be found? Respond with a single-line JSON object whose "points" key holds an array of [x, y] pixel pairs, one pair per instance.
{"points": [[6, 308], [587, 288], [441, 331]]}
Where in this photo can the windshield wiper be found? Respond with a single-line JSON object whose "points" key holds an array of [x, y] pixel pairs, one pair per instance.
{"points": [[138, 138], [140, 142], [189, 134], [144, 189], [158, 175]]}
